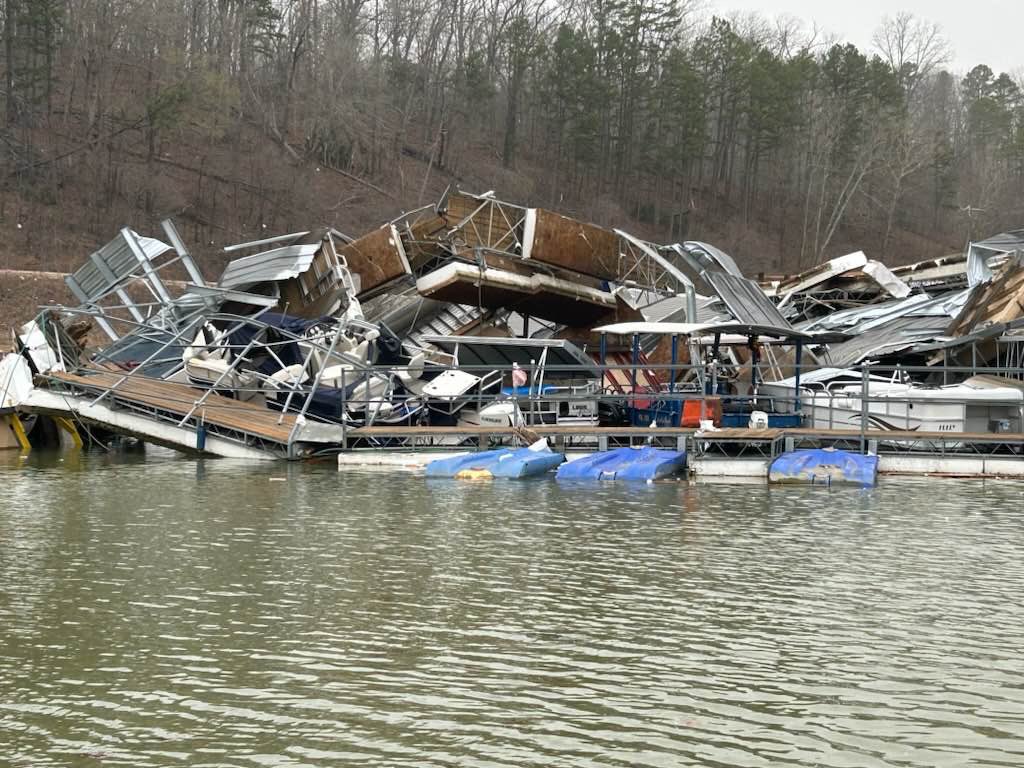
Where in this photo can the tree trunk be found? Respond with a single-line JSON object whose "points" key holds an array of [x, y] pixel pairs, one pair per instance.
{"points": [[10, 13]]}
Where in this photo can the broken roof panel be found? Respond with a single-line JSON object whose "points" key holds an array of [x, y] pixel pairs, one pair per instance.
{"points": [[269, 266], [703, 257], [745, 300], [998, 301], [890, 336], [820, 274], [985, 256], [500, 352], [784, 333], [945, 272], [557, 240], [378, 258], [882, 275], [114, 263]]}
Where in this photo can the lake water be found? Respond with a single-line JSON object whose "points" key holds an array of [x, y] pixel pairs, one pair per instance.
{"points": [[156, 610]]}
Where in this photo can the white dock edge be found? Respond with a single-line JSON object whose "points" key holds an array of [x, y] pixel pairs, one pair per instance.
{"points": [[159, 432], [413, 461], [723, 467], [952, 466]]}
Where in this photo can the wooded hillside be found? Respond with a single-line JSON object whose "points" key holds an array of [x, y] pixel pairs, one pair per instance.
{"points": [[243, 118]]}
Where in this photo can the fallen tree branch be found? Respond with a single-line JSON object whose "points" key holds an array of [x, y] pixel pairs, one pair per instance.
{"points": [[364, 182]]}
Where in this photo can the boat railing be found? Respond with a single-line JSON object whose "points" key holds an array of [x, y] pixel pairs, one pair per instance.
{"points": [[664, 407]]}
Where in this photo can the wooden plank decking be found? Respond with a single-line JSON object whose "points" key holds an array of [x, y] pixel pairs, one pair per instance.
{"points": [[179, 399]]}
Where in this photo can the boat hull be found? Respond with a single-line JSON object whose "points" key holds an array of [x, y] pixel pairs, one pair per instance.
{"points": [[637, 464], [824, 466], [501, 463]]}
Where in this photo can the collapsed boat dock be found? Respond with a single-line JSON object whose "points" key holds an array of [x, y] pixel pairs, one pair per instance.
{"points": [[170, 414], [476, 323]]}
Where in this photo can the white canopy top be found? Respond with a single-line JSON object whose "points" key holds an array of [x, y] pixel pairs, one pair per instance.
{"points": [[707, 329]]}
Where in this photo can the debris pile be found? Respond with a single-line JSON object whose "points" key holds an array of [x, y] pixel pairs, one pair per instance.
{"points": [[422, 322]]}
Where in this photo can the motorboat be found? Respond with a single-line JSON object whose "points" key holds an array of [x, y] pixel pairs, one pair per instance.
{"points": [[561, 387], [834, 399], [452, 390]]}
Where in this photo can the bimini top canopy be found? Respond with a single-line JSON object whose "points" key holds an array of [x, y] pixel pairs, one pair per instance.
{"points": [[790, 335]]}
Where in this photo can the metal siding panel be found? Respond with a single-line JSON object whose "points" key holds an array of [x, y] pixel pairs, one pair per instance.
{"points": [[745, 299]]}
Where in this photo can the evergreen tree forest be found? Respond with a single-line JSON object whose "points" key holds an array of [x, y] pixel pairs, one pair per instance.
{"points": [[244, 118]]}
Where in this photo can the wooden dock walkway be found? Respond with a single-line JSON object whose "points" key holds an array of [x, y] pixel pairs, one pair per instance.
{"points": [[165, 404], [178, 399]]}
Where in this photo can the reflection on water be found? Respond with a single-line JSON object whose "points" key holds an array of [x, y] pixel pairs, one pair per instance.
{"points": [[155, 610]]}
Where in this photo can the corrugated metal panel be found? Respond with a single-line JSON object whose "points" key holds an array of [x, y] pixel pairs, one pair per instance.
{"points": [[269, 266], [496, 352], [745, 299], [117, 257], [673, 309], [865, 318], [704, 256], [892, 335]]}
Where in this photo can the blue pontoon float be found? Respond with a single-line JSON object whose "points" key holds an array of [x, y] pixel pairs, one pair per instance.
{"points": [[642, 464], [513, 463], [824, 466]]}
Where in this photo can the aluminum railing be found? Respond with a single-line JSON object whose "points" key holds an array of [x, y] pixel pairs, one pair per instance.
{"points": [[677, 385]]}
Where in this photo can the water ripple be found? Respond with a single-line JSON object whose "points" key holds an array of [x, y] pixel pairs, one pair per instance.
{"points": [[169, 612]]}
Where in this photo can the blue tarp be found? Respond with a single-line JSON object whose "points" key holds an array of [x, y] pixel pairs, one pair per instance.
{"points": [[503, 462], [824, 466], [524, 391], [646, 463]]}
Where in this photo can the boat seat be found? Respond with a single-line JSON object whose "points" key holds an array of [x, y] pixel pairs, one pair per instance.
{"points": [[286, 377], [207, 336], [366, 393], [331, 375], [414, 370], [208, 371]]}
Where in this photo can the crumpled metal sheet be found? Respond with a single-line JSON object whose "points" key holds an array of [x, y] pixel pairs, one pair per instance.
{"points": [[745, 300]]}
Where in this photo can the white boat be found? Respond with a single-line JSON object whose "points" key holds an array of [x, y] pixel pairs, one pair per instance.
{"points": [[563, 385], [833, 399], [452, 390]]}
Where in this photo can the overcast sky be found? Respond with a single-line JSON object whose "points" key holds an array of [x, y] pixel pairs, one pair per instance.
{"points": [[981, 31]]}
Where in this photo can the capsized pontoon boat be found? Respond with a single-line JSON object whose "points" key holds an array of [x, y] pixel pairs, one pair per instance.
{"points": [[824, 466], [644, 463], [513, 463]]}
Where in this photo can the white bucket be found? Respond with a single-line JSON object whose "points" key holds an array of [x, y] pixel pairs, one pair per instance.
{"points": [[758, 420]]}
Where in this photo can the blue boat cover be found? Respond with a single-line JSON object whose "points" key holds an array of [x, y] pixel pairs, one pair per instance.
{"points": [[646, 463], [503, 462], [284, 347], [524, 391], [824, 466]]}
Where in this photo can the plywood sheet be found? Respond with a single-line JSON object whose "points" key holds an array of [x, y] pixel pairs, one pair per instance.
{"points": [[575, 245], [998, 301], [378, 258]]}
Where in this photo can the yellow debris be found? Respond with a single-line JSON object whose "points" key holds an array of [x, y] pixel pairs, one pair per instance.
{"points": [[474, 474]]}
